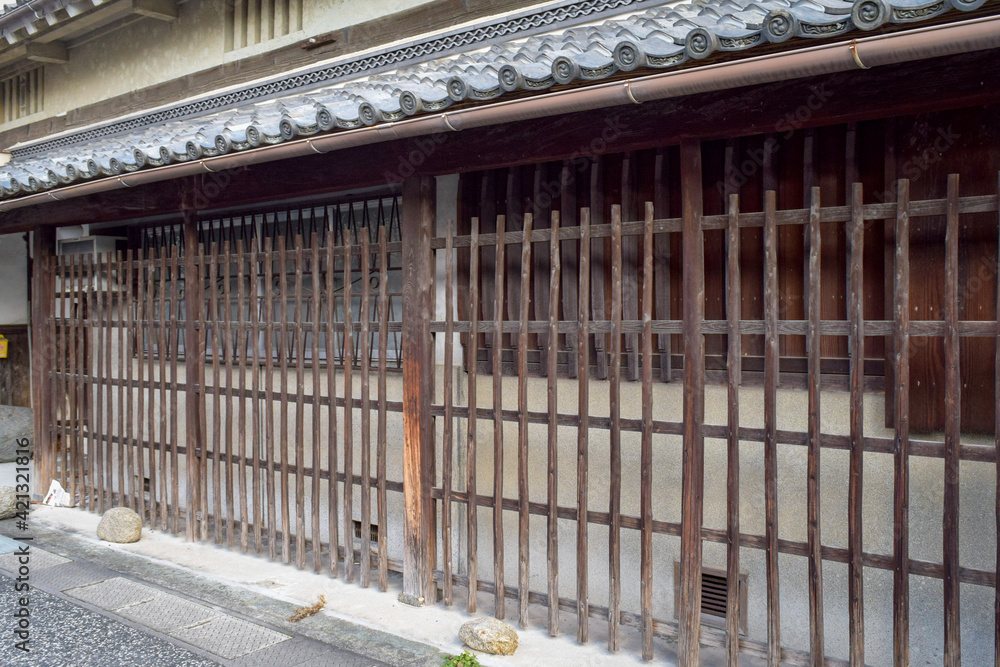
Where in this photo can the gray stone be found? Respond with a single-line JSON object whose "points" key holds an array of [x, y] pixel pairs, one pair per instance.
{"points": [[8, 502], [489, 635], [16, 424], [120, 525]]}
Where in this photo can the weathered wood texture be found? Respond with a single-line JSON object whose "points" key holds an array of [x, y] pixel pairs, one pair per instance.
{"points": [[418, 433], [255, 320], [818, 229]]}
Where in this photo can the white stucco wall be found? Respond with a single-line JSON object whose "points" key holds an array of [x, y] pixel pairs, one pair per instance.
{"points": [[151, 51], [13, 279]]}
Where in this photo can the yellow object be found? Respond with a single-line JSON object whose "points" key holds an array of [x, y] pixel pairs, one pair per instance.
{"points": [[3, 347]]}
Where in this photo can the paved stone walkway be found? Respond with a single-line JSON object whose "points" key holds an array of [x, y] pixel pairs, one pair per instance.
{"points": [[84, 613]]}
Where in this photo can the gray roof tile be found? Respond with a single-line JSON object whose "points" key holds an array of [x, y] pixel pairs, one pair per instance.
{"points": [[655, 37]]}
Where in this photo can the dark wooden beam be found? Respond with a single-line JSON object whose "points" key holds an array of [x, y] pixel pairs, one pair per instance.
{"points": [[419, 205], [693, 269], [42, 353]]}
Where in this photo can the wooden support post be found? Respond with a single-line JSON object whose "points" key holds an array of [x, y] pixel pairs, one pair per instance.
{"points": [[689, 614], [42, 352], [194, 356], [418, 349]]}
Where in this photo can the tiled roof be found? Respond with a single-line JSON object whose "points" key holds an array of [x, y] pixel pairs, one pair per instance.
{"points": [[654, 37]]}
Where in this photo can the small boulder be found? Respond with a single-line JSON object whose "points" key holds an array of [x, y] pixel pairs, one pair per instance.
{"points": [[8, 502], [16, 431], [489, 635], [120, 525]]}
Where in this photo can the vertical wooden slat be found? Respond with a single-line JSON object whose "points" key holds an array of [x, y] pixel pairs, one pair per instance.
{"points": [[692, 483], [901, 417], [568, 217], [597, 263], [661, 259], [109, 430], [366, 421], [540, 258], [382, 453], [449, 419], [646, 447], [213, 331], [122, 388], [128, 314], [816, 641], [43, 352], [300, 383], [229, 350], [472, 536], [163, 265], [523, 539], [62, 390], [630, 261], [286, 543], [141, 315], [151, 435], [69, 444], [90, 386], [316, 302], [552, 357], [515, 222], [418, 221], [194, 356], [487, 212], [733, 374], [80, 375], [255, 485], [614, 406], [173, 349], [952, 434], [855, 313], [771, 427], [98, 369], [331, 391], [348, 408], [242, 336], [583, 435], [268, 392], [498, 555]]}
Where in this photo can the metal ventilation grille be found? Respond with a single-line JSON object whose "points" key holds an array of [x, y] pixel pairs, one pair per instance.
{"points": [[714, 594]]}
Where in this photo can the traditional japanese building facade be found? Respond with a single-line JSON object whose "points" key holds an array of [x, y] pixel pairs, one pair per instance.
{"points": [[719, 281]]}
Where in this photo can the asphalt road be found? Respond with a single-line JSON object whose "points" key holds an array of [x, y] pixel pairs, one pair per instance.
{"points": [[65, 633]]}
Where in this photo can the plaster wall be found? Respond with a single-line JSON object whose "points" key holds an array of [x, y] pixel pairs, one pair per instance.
{"points": [[149, 51], [976, 528], [13, 279]]}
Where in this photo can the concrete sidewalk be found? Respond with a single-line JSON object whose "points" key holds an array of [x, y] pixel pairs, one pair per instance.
{"points": [[93, 606], [255, 590]]}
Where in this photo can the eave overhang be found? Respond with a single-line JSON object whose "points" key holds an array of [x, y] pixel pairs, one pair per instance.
{"points": [[468, 90]]}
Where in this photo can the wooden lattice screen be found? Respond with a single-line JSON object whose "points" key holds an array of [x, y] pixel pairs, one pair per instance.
{"points": [[546, 425], [282, 466]]}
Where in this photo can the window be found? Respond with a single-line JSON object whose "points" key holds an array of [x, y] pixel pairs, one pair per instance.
{"points": [[250, 22], [21, 95]]}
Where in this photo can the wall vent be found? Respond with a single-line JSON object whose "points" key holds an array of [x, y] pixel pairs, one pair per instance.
{"points": [[21, 95], [250, 22], [714, 596], [372, 531]]}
